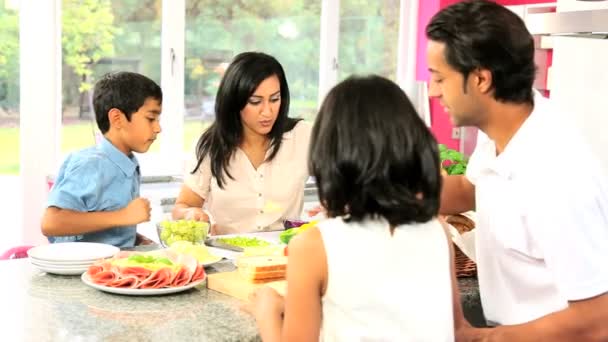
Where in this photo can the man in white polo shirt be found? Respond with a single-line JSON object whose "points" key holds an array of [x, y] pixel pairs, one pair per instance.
{"points": [[540, 195]]}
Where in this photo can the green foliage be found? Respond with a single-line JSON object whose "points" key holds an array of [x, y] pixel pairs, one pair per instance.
{"points": [[95, 29], [452, 161], [216, 30], [9, 43], [88, 33], [368, 41], [9, 56]]}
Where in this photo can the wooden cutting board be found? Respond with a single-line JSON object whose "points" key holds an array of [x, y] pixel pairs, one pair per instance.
{"points": [[234, 285]]}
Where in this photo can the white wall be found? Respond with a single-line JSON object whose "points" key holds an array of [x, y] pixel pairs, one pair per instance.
{"points": [[575, 5], [578, 86], [578, 80], [40, 103]]}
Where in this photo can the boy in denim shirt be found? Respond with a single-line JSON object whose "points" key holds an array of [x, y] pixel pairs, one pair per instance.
{"points": [[96, 194]]}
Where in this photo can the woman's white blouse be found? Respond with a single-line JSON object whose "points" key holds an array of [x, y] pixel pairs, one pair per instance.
{"points": [[256, 200]]}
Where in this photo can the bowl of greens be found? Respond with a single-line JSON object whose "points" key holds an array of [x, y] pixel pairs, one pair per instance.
{"points": [[182, 230]]}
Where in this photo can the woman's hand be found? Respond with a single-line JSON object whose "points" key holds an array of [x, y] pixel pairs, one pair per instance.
{"points": [[315, 211], [196, 214]]}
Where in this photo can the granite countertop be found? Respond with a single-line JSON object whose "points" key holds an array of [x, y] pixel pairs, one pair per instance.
{"points": [[471, 303], [37, 306]]}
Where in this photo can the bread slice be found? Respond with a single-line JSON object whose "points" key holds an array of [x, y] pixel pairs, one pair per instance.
{"points": [[265, 281], [256, 264], [259, 268], [263, 276]]}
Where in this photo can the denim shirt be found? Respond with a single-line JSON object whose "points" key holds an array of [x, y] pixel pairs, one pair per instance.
{"points": [[99, 178]]}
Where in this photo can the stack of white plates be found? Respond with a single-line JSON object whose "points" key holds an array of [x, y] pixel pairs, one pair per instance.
{"points": [[69, 257]]}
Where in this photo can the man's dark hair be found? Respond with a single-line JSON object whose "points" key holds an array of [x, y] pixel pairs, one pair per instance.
{"points": [[243, 76], [483, 34], [126, 91], [373, 156]]}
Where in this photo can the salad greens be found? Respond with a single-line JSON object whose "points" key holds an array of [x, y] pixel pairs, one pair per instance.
{"points": [[452, 161], [288, 234], [147, 261], [243, 241]]}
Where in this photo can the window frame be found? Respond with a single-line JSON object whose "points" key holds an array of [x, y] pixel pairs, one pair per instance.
{"points": [[40, 126]]}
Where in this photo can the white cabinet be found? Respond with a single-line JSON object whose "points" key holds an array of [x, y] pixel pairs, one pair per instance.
{"points": [[579, 78], [576, 5]]}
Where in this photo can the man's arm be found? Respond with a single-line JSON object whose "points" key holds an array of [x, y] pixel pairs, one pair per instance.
{"points": [[457, 195], [583, 320], [61, 222]]}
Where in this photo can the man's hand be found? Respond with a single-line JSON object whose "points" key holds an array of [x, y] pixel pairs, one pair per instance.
{"points": [[469, 333], [143, 240], [137, 211]]}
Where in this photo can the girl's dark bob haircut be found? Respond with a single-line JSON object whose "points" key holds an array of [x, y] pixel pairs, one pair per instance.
{"points": [[373, 156]]}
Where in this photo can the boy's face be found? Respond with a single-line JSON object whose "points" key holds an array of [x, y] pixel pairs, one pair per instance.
{"points": [[139, 133]]}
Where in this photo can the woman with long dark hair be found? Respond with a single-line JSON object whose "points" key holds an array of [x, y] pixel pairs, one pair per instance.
{"points": [[250, 167]]}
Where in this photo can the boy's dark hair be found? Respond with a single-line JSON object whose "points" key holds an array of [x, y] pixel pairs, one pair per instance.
{"points": [[372, 155], [483, 34], [244, 74], [126, 91]]}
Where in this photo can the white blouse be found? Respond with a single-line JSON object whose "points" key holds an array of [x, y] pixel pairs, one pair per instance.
{"points": [[256, 200], [384, 287]]}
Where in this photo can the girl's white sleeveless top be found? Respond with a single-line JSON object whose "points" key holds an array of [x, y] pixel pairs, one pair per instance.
{"points": [[386, 288]]}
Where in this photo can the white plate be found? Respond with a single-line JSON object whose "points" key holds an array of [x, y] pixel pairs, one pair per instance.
{"points": [[62, 263], [139, 292], [209, 263], [59, 266], [62, 271], [73, 251]]}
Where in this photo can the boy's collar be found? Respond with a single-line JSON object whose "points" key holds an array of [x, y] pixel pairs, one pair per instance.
{"points": [[128, 165]]}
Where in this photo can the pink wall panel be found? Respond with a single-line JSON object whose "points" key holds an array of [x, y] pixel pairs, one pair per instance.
{"points": [[440, 121]]}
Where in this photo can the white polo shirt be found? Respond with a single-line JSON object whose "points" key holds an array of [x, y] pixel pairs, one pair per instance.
{"points": [[542, 233], [256, 199]]}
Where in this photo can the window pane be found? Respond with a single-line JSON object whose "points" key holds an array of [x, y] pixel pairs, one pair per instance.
{"points": [[368, 37], [99, 36], [9, 87], [217, 31]]}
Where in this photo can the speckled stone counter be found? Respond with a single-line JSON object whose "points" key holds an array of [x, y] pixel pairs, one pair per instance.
{"points": [[36, 306], [471, 303]]}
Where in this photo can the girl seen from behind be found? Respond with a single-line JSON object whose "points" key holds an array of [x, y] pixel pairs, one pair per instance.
{"points": [[380, 267]]}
